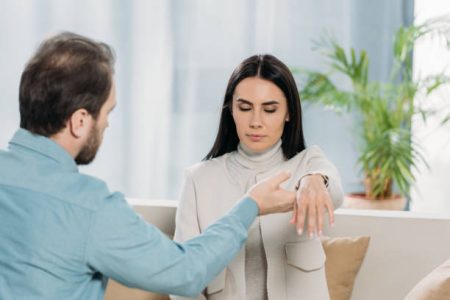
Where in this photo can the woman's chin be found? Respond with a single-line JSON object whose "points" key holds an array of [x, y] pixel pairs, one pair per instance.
{"points": [[257, 146]]}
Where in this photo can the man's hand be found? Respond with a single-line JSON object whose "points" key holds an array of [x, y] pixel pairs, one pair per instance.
{"points": [[313, 200], [270, 197]]}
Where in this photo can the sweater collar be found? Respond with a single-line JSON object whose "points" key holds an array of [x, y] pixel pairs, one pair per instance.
{"points": [[259, 161]]}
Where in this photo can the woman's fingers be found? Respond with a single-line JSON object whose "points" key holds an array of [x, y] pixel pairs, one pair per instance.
{"points": [[300, 218], [294, 215], [320, 213], [314, 208], [330, 208], [312, 217]]}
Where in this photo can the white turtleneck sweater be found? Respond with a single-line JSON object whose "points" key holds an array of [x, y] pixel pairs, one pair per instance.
{"points": [[245, 165]]}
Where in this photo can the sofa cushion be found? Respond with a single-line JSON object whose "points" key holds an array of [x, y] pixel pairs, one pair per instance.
{"points": [[434, 286], [344, 256]]}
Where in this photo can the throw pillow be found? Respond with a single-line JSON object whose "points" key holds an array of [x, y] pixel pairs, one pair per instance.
{"points": [[344, 258], [434, 286]]}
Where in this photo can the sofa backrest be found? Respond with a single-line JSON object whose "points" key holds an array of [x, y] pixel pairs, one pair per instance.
{"points": [[404, 246]]}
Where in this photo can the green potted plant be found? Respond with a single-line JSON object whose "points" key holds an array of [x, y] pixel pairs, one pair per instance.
{"points": [[388, 152]]}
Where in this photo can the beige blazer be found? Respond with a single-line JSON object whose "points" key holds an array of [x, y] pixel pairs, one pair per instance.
{"points": [[295, 264]]}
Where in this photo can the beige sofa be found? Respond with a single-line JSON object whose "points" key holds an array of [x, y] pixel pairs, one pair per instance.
{"points": [[404, 247]]}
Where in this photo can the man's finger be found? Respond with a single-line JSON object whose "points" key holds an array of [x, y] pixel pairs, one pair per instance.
{"points": [[279, 178]]}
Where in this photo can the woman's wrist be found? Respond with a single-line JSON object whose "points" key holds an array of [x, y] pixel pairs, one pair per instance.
{"points": [[324, 178]]}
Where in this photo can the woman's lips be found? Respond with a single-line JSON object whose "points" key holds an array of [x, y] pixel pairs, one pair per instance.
{"points": [[255, 137]]}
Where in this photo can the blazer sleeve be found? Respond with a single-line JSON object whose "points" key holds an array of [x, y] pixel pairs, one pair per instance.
{"points": [[186, 221], [317, 163], [187, 224]]}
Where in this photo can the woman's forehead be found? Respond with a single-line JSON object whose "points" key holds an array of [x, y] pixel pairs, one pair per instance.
{"points": [[257, 90]]}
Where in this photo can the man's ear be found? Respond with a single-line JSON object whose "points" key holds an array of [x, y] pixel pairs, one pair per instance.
{"points": [[80, 123]]}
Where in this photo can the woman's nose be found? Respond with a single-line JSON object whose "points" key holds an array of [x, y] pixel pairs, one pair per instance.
{"points": [[255, 121]]}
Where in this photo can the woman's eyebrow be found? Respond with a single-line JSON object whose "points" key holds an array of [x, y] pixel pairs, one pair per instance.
{"points": [[271, 102], [244, 101]]}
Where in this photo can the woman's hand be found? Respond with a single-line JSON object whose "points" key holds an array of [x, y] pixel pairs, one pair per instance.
{"points": [[270, 197], [312, 201]]}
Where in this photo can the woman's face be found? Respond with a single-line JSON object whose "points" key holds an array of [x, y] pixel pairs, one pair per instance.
{"points": [[259, 111]]}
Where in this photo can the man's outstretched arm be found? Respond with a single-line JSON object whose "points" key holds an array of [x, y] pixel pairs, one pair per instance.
{"points": [[124, 247]]}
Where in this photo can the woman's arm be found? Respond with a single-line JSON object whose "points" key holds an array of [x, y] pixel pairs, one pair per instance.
{"points": [[319, 191], [318, 163]]}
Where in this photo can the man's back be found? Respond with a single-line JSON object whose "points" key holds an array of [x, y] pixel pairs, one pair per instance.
{"points": [[46, 210], [62, 234]]}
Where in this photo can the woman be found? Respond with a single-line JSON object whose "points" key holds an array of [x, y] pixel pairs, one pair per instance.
{"points": [[260, 133]]}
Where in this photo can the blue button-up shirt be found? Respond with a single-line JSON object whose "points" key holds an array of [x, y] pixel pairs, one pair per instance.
{"points": [[62, 233]]}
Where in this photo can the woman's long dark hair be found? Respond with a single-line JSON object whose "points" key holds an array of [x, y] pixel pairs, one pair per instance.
{"points": [[270, 68]]}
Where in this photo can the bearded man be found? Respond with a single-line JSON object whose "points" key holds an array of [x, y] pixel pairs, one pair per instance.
{"points": [[62, 233]]}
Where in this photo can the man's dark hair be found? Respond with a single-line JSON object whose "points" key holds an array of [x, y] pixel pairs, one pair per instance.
{"points": [[270, 68], [68, 72]]}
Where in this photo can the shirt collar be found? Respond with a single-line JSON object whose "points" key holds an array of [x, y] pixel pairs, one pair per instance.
{"points": [[41, 145]]}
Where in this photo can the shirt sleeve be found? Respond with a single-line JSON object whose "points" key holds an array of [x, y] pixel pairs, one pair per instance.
{"points": [[122, 246]]}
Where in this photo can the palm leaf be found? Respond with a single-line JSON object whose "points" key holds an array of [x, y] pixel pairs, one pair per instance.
{"points": [[388, 152]]}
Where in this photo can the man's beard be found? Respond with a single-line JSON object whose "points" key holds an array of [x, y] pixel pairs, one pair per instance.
{"points": [[89, 150]]}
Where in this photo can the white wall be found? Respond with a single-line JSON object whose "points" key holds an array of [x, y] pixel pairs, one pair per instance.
{"points": [[432, 190]]}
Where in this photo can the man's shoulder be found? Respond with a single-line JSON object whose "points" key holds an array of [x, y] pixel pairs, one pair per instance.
{"points": [[93, 192], [93, 184], [26, 174]]}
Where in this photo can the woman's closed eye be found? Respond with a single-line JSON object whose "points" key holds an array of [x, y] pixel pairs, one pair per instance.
{"points": [[248, 108], [244, 107], [270, 108]]}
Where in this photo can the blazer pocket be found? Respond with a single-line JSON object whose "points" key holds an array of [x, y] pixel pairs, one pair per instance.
{"points": [[305, 255], [218, 284]]}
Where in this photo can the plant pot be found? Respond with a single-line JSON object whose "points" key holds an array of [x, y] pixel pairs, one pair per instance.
{"points": [[359, 201]]}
